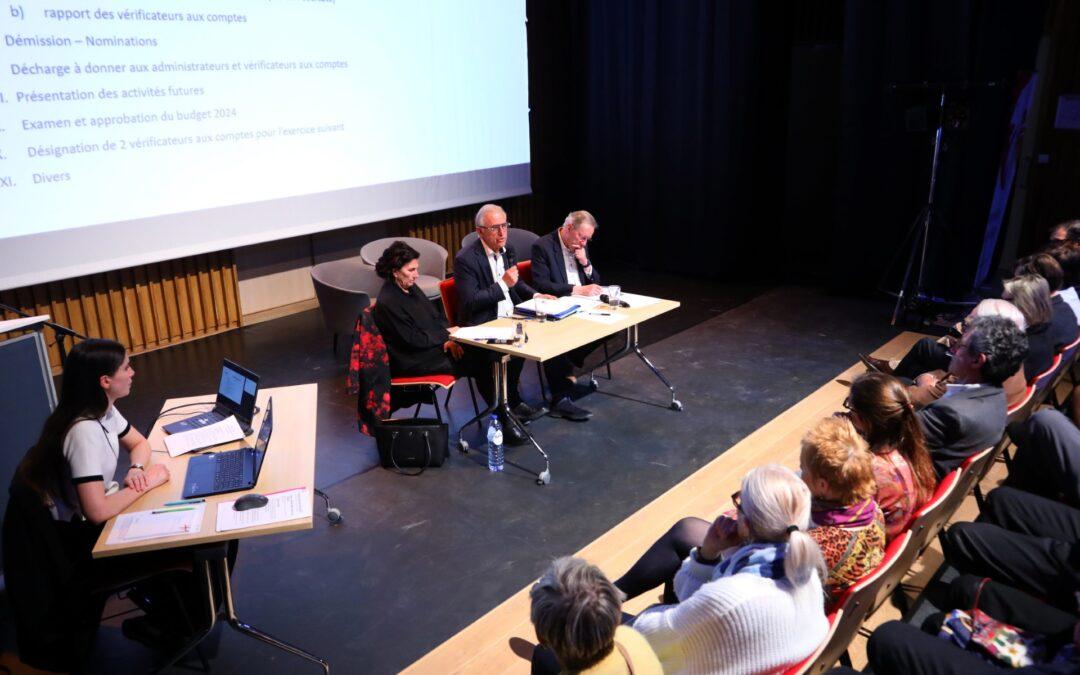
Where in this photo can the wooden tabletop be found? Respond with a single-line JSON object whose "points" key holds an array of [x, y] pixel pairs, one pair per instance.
{"points": [[549, 339], [289, 463]]}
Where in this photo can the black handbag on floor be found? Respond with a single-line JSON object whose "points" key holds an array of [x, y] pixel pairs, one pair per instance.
{"points": [[411, 443]]}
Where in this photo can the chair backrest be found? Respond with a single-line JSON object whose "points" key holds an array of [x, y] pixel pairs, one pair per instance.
{"points": [[344, 288], [974, 468], [525, 271], [857, 602], [1068, 358], [432, 255], [804, 665], [933, 515], [902, 550], [1043, 379], [448, 293], [1021, 410], [519, 240]]}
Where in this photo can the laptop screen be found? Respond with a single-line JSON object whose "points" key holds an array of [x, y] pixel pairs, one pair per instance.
{"points": [[263, 442], [237, 390]]}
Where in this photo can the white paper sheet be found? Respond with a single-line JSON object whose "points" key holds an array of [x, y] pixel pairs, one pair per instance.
{"points": [[635, 300], [485, 333], [167, 522], [555, 307], [204, 437], [599, 316], [587, 301], [283, 506]]}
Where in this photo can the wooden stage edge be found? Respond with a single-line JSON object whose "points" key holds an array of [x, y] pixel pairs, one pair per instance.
{"points": [[501, 640]]}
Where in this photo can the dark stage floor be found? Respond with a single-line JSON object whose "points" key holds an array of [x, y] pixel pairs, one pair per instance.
{"points": [[418, 559]]}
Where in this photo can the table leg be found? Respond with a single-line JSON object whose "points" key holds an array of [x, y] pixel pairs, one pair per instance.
{"points": [[251, 631], [676, 404]]}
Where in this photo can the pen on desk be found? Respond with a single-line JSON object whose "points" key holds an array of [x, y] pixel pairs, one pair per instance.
{"points": [[186, 508], [600, 313], [184, 502]]}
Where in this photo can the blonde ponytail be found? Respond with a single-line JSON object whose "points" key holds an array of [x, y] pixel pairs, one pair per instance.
{"points": [[776, 503]]}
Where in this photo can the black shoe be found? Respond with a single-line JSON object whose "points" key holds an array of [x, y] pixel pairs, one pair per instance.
{"points": [[875, 364], [527, 413], [512, 435], [566, 409]]}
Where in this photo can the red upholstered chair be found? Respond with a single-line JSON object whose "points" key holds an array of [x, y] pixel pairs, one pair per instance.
{"points": [[1042, 380], [525, 271], [852, 608], [448, 293], [1068, 359]]}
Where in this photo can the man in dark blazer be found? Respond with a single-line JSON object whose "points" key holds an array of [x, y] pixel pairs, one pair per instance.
{"points": [[971, 416], [560, 260], [488, 286]]}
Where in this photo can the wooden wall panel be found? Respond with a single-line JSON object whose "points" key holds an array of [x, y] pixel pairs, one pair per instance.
{"points": [[142, 307]]}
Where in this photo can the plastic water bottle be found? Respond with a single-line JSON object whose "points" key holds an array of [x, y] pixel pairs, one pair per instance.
{"points": [[494, 444]]}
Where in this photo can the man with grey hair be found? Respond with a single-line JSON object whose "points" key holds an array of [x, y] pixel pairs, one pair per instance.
{"points": [[576, 612], [971, 416]]}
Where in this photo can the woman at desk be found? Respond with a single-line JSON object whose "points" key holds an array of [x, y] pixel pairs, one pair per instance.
{"points": [[417, 336], [71, 470]]}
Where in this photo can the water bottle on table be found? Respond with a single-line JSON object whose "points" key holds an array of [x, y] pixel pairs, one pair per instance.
{"points": [[495, 444]]}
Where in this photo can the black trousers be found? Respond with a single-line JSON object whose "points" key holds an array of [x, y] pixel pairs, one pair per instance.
{"points": [[1047, 460], [1022, 540], [924, 356], [897, 647]]}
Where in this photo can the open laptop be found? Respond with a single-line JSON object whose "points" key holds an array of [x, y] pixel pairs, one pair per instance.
{"points": [[215, 473], [236, 396]]}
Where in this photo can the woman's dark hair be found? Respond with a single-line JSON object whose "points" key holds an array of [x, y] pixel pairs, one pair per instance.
{"points": [[81, 396], [397, 255], [882, 403], [1067, 253], [1043, 265]]}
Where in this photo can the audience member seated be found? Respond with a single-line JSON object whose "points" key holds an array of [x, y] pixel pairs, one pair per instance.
{"points": [[70, 471], [879, 408], [488, 287], [849, 527], [927, 362], [851, 535], [971, 416], [1067, 254], [1063, 321], [896, 648], [932, 385], [561, 266], [1047, 457], [1023, 540], [1031, 295], [577, 612], [416, 334], [750, 595]]}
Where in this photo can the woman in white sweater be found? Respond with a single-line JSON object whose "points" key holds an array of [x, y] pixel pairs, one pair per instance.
{"points": [[750, 597]]}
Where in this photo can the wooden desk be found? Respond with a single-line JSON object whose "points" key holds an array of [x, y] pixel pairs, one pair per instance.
{"points": [[548, 339], [289, 463]]}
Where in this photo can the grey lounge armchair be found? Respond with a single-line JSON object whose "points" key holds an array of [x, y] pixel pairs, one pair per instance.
{"points": [[344, 288], [432, 260]]}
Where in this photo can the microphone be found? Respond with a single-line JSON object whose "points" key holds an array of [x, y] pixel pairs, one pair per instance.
{"points": [[604, 298]]}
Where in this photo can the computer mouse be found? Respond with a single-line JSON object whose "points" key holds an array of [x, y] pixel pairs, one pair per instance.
{"points": [[252, 500]]}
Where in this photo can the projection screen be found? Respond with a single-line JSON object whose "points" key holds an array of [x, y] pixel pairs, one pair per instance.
{"points": [[133, 132]]}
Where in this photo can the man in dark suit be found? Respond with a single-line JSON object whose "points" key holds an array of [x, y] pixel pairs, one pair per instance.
{"points": [[972, 414], [488, 287], [560, 261]]}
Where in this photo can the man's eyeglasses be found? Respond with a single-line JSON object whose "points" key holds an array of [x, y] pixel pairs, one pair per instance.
{"points": [[847, 403], [495, 228], [736, 499]]}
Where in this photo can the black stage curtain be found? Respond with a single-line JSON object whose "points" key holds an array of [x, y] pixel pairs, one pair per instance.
{"points": [[757, 140]]}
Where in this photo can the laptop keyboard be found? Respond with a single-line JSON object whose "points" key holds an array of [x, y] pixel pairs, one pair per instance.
{"points": [[230, 469]]}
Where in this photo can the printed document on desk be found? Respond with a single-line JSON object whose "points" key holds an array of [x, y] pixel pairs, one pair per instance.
{"points": [[555, 309], [282, 506], [156, 523], [479, 333], [598, 315], [204, 437], [635, 300]]}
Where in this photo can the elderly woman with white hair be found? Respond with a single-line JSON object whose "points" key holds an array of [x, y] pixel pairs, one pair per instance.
{"points": [[750, 597]]}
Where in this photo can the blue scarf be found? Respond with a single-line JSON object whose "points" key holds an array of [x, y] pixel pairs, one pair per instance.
{"points": [[765, 559]]}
